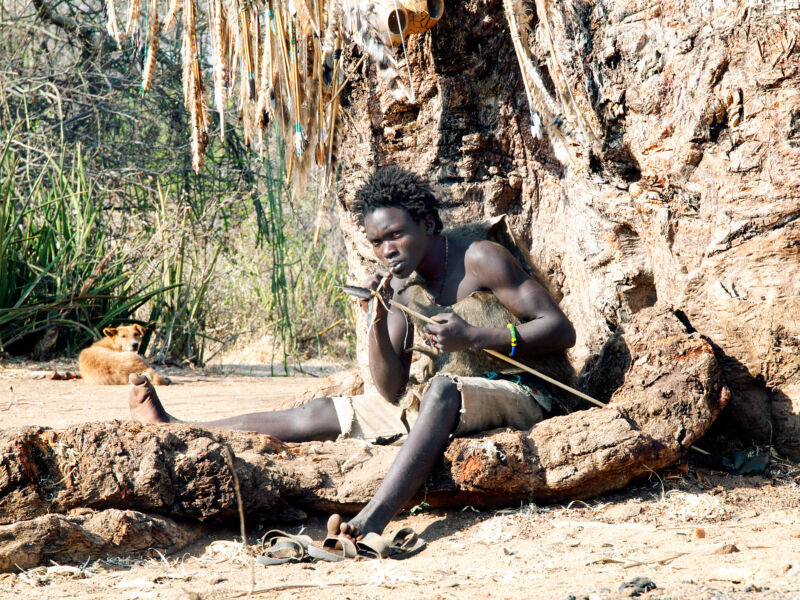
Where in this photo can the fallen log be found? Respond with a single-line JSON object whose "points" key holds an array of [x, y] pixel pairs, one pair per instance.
{"points": [[671, 394], [73, 539]]}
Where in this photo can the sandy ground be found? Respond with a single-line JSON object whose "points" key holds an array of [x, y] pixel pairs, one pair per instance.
{"points": [[693, 532]]}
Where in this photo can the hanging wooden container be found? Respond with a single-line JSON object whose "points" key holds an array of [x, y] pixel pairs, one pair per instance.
{"points": [[393, 17], [421, 14]]}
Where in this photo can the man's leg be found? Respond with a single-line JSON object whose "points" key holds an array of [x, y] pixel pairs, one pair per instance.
{"points": [[438, 417], [315, 420]]}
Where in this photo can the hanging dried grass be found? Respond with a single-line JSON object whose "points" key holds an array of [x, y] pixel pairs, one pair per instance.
{"points": [[264, 109], [152, 46], [172, 14], [257, 51], [194, 88], [113, 26], [569, 98], [287, 56], [220, 60], [248, 65], [231, 12], [132, 28]]}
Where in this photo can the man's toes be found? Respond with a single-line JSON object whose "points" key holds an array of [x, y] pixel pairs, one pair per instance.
{"points": [[334, 524], [349, 531], [137, 378]]}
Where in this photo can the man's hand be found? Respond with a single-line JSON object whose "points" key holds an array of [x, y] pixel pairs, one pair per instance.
{"points": [[377, 282], [451, 333]]}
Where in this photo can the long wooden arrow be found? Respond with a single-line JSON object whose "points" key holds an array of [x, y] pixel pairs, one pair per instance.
{"points": [[368, 294]]}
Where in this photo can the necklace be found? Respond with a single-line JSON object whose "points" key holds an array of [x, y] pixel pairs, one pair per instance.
{"points": [[444, 273]]}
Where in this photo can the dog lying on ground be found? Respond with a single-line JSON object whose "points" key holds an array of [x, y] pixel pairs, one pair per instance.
{"points": [[110, 360]]}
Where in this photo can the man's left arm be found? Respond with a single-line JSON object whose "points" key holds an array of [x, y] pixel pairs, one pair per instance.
{"points": [[543, 326]]}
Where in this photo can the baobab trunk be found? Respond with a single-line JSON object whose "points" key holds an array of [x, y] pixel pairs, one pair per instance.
{"points": [[690, 196]]}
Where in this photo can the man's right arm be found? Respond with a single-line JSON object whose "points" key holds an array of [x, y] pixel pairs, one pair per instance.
{"points": [[389, 361]]}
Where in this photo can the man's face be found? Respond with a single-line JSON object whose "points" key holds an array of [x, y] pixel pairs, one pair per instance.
{"points": [[397, 239]]}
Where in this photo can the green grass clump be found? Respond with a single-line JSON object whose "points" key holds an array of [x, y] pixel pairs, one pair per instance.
{"points": [[62, 279], [201, 270]]}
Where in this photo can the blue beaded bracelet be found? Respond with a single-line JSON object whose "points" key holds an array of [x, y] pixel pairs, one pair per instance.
{"points": [[513, 331]]}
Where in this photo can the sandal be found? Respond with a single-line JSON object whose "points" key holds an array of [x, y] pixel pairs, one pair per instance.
{"points": [[339, 547], [372, 545], [405, 544], [281, 547]]}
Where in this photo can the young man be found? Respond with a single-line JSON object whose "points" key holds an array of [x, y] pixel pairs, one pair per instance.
{"points": [[441, 276]]}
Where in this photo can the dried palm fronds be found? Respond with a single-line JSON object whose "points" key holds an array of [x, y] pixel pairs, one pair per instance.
{"points": [[152, 46]]}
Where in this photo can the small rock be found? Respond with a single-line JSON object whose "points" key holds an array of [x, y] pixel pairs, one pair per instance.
{"points": [[722, 548], [699, 533], [626, 511], [637, 586]]}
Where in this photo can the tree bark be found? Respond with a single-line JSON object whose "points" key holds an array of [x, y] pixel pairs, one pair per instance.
{"points": [[690, 198], [671, 394]]}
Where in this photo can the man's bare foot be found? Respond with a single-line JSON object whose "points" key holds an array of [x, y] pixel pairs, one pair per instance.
{"points": [[353, 530], [144, 403]]}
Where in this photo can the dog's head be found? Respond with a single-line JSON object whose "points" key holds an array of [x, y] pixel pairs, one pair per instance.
{"points": [[127, 338]]}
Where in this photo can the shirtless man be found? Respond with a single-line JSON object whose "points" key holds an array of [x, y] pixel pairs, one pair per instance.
{"points": [[401, 221]]}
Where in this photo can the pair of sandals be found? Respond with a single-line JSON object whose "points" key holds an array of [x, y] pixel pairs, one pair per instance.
{"points": [[280, 547]]}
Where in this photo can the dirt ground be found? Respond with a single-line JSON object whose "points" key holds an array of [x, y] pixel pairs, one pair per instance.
{"points": [[696, 533]]}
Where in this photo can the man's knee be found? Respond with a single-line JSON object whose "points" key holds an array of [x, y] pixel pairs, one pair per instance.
{"points": [[317, 407], [442, 393]]}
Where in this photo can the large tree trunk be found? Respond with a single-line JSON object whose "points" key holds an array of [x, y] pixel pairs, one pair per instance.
{"points": [[670, 396], [690, 198]]}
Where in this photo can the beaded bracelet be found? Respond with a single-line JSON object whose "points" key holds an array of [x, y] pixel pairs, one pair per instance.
{"points": [[513, 331]]}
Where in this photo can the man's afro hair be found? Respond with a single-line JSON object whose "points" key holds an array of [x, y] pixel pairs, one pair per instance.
{"points": [[393, 186]]}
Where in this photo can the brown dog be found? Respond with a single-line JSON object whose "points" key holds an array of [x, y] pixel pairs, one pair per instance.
{"points": [[109, 361]]}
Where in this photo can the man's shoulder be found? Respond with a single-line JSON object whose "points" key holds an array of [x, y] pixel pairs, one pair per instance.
{"points": [[490, 265], [479, 252]]}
